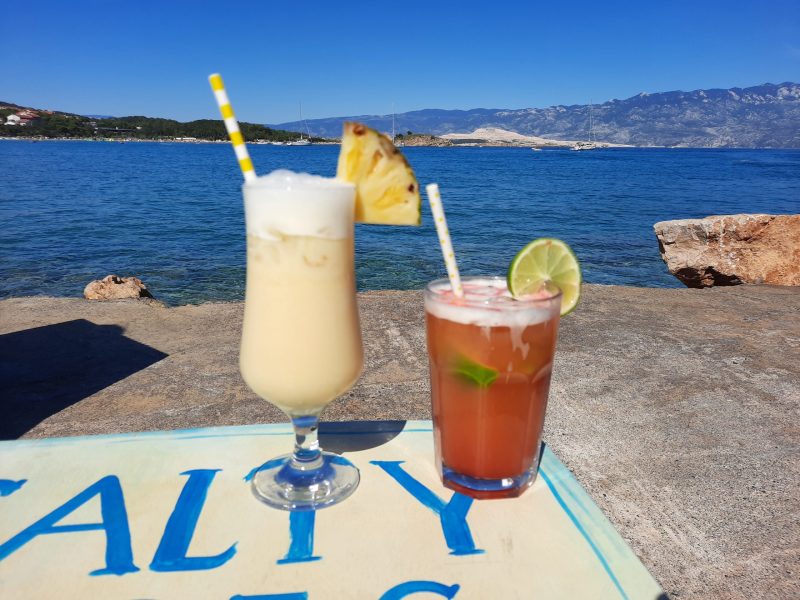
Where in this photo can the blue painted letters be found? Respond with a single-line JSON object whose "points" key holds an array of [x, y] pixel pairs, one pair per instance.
{"points": [[453, 515], [9, 486], [301, 530], [119, 556], [171, 552], [412, 587]]}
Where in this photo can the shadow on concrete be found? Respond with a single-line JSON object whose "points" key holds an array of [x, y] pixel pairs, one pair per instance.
{"points": [[46, 369], [352, 436]]}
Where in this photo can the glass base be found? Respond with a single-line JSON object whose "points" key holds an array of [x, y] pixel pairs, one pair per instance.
{"points": [[486, 489], [281, 484]]}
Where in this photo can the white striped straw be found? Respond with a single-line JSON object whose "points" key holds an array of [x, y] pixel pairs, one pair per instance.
{"points": [[232, 126], [437, 209]]}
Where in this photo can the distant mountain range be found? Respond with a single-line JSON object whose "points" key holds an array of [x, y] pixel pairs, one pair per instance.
{"points": [[763, 116]]}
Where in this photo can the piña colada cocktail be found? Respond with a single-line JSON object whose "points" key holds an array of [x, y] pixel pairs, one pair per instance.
{"points": [[301, 340]]}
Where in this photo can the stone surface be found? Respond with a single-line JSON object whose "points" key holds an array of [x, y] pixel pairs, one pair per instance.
{"points": [[677, 410], [732, 249], [113, 287]]}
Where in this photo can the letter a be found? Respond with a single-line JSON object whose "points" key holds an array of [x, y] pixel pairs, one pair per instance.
{"points": [[453, 515], [171, 552], [119, 557]]}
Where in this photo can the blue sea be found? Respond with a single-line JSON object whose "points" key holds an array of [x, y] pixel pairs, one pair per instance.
{"points": [[171, 213]]}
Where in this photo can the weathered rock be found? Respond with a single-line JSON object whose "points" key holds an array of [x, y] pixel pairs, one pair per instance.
{"points": [[113, 287], [732, 249]]}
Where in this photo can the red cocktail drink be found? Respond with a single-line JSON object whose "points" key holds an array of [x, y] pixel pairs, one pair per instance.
{"points": [[490, 362]]}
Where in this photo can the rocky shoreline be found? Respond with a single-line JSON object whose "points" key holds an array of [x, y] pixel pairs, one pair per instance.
{"points": [[435, 141], [429, 141], [675, 408]]}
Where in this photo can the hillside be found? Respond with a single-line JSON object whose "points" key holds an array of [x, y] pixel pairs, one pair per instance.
{"points": [[764, 116], [54, 124]]}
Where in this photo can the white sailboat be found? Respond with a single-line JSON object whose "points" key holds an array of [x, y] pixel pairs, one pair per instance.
{"points": [[591, 144], [302, 141], [395, 141]]}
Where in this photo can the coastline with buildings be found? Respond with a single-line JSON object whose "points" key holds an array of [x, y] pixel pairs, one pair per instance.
{"points": [[764, 116]]}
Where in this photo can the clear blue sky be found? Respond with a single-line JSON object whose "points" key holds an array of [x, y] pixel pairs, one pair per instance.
{"points": [[350, 58]]}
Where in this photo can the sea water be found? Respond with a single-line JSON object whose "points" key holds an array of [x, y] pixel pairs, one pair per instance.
{"points": [[171, 213]]}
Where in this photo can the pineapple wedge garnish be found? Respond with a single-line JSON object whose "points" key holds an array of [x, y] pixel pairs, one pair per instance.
{"points": [[387, 191]]}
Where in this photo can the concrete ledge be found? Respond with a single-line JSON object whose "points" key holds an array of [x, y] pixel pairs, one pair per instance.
{"points": [[676, 409]]}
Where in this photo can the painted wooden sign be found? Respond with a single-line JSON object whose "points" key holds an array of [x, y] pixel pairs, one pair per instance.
{"points": [[170, 515]]}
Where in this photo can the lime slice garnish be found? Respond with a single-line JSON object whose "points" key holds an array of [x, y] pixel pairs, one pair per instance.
{"points": [[474, 372], [542, 261]]}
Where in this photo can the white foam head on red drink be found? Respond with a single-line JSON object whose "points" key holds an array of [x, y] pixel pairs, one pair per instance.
{"points": [[488, 303], [298, 204]]}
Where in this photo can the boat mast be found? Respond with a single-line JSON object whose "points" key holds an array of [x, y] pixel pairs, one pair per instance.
{"points": [[300, 104], [393, 133]]}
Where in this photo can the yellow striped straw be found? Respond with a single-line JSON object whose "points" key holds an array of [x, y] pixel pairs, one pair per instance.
{"points": [[232, 126], [435, 200]]}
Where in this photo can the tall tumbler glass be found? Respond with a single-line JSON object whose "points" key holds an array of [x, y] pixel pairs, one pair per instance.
{"points": [[490, 362], [301, 340]]}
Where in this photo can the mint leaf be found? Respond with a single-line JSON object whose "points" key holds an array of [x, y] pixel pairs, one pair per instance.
{"points": [[474, 373]]}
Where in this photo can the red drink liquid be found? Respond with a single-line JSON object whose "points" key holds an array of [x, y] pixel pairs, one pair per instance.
{"points": [[490, 362]]}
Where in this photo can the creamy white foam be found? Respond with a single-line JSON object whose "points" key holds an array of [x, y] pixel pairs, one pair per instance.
{"points": [[298, 204], [488, 303]]}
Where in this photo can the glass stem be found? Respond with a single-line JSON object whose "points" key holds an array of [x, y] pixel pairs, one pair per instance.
{"points": [[307, 454]]}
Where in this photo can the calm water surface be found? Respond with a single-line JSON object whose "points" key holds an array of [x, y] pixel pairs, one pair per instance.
{"points": [[171, 214]]}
